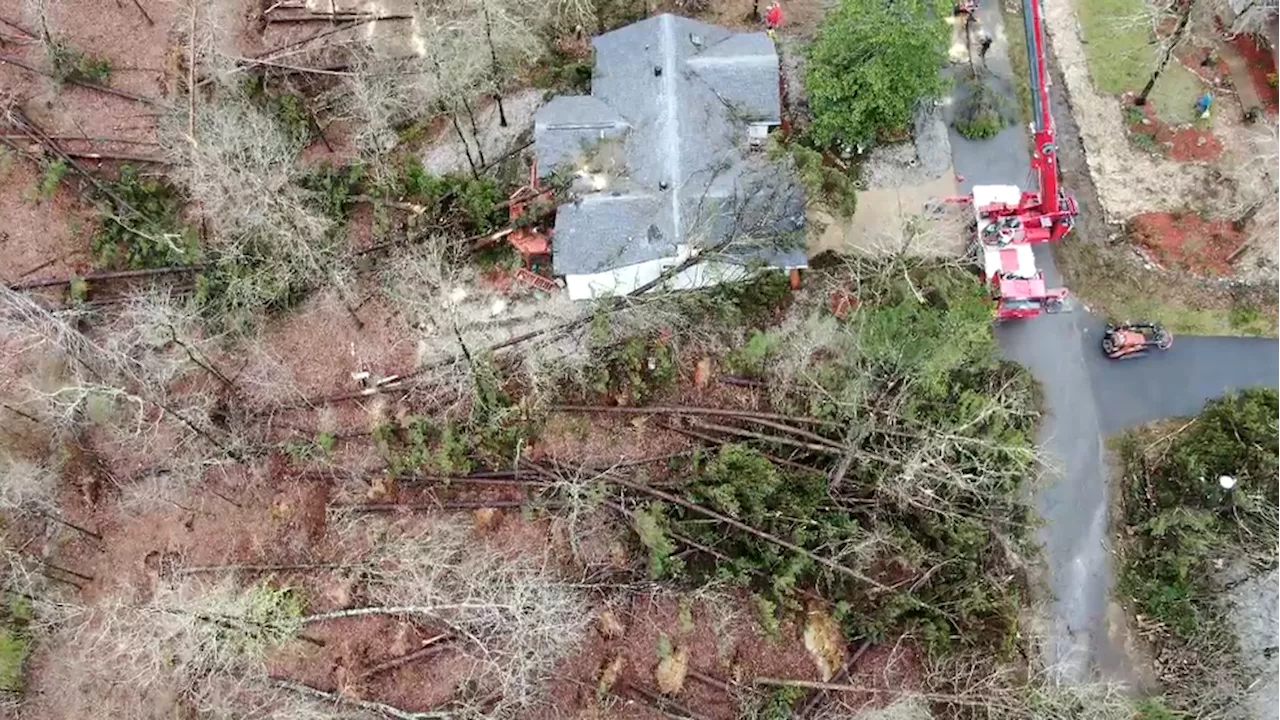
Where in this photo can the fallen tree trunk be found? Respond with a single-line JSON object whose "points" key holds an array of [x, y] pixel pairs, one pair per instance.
{"points": [[430, 647], [112, 275], [739, 525], [83, 83], [687, 410]]}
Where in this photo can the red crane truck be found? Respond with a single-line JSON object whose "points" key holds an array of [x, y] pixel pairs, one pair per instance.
{"points": [[1010, 220]]}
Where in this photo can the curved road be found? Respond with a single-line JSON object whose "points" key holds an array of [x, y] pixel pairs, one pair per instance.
{"points": [[1087, 397]]}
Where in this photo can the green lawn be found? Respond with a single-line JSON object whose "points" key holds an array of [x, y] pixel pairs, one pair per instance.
{"points": [[1105, 280], [1117, 39], [1018, 61], [1175, 95]]}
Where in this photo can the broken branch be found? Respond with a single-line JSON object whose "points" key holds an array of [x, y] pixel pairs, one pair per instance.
{"points": [[113, 275], [430, 647], [199, 569], [84, 83], [338, 699]]}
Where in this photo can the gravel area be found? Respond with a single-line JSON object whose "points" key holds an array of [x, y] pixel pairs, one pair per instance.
{"points": [[791, 63], [926, 157], [1255, 620], [445, 153]]}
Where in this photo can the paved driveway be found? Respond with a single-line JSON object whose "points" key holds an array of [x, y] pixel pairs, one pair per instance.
{"points": [[1087, 397]]}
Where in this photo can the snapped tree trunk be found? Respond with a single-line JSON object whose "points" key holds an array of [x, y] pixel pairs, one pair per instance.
{"points": [[1167, 54], [453, 117], [475, 130], [497, 72]]}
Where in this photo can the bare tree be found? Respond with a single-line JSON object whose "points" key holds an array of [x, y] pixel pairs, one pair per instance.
{"points": [[243, 175], [25, 485], [517, 621], [192, 640], [1253, 19]]}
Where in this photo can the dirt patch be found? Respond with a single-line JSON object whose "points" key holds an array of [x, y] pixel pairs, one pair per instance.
{"points": [[290, 353], [42, 237], [604, 440], [284, 523], [1187, 242], [801, 18], [1204, 62], [1253, 617], [355, 647], [1262, 70], [1184, 144], [725, 644]]}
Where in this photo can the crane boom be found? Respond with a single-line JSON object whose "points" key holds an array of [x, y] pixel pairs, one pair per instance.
{"points": [[1009, 219], [1045, 157]]}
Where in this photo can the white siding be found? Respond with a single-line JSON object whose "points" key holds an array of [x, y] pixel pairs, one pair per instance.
{"points": [[618, 281], [626, 279]]}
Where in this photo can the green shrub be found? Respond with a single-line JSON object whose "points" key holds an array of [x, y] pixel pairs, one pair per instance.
{"points": [[562, 73], [741, 482], [288, 110], [834, 186], [475, 200], [51, 180], [235, 291], [1244, 315], [15, 645], [1178, 522], [149, 232], [751, 359], [1155, 709], [1145, 142], [272, 617], [753, 302], [317, 449], [421, 445], [68, 64], [871, 65], [633, 371], [651, 526], [982, 127], [334, 188], [291, 112], [937, 365]]}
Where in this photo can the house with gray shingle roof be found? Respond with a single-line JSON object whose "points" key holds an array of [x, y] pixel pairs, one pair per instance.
{"points": [[668, 161]]}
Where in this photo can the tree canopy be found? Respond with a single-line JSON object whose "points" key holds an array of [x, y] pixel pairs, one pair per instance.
{"points": [[871, 64]]}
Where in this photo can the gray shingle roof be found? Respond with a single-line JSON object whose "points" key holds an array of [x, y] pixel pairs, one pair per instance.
{"points": [[678, 95], [603, 231], [568, 126]]}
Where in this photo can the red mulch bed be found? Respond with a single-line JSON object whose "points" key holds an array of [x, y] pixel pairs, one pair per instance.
{"points": [[1187, 242], [1260, 66], [1184, 144], [1217, 73]]}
